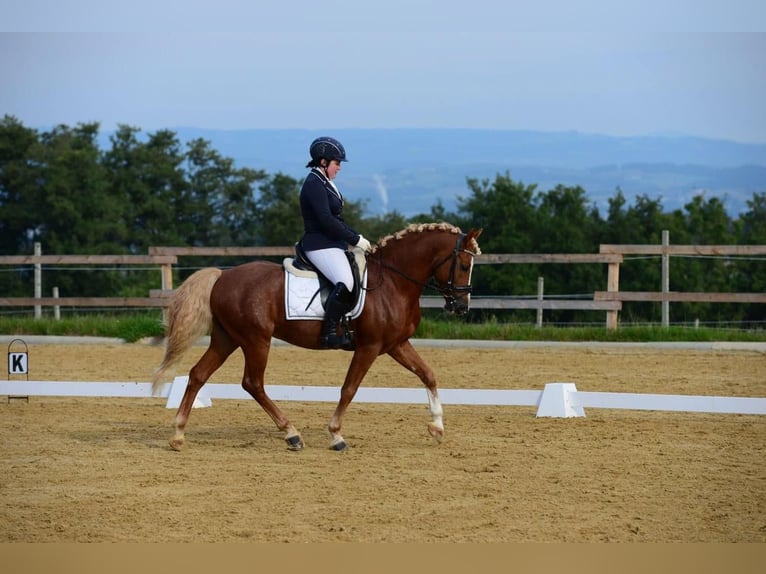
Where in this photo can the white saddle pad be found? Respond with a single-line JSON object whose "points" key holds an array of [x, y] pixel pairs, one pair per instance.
{"points": [[299, 291]]}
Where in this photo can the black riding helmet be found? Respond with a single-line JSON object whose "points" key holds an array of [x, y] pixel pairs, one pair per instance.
{"points": [[326, 148]]}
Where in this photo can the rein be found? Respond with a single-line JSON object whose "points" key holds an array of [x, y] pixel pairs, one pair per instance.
{"points": [[450, 291]]}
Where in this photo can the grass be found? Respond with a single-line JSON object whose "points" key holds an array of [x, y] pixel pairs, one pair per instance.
{"points": [[497, 331], [129, 326], [133, 326]]}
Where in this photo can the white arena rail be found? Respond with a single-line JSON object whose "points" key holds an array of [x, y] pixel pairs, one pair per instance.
{"points": [[555, 400]]}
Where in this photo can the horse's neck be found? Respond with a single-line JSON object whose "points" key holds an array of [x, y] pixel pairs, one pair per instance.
{"points": [[413, 259]]}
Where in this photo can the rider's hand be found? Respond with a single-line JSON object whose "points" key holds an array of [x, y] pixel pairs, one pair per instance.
{"points": [[363, 244]]}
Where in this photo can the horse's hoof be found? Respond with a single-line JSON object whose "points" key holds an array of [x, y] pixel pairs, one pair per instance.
{"points": [[436, 432], [177, 444], [339, 446], [294, 443]]}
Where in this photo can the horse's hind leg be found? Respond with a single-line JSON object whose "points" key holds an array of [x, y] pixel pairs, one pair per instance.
{"points": [[406, 355], [253, 381], [221, 346]]}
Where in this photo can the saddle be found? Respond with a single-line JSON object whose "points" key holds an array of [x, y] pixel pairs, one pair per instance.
{"points": [[300, 266]]}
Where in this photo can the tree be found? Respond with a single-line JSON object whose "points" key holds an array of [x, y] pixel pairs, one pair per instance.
{"points": [[567, 223], [77, 212], [18, 209], [221, 203], [18, 184], [74, 209], [506, 208], [752, 224], [278, 211], [704, 222], [150, 179], [379, 226], [506, 211], [566, 220], [751, 278]]}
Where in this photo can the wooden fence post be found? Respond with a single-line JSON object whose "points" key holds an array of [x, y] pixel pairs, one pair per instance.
{"points": [[612, 284], [665, 277], [540, 287], [56, 308], [38, 281], [167, 285]]}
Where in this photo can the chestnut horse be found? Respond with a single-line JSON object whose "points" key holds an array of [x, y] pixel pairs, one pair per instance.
{"points": [[244, 307]]}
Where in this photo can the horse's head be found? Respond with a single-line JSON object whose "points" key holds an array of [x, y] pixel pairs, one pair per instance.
{"points": [[453, 272], [436, 255]]}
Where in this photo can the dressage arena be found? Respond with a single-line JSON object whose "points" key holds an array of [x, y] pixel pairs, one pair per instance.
{"points": [[100, 469]]}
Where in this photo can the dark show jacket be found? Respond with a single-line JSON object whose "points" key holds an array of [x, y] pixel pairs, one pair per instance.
{"points": [[321, 208]]}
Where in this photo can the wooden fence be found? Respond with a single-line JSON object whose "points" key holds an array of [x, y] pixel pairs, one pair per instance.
{"points": [[38, 260], [665, 296], [539, 304], [610, 301]]}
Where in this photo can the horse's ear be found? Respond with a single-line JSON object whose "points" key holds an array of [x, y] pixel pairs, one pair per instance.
{"points": [[474, 233], [470, 237]]}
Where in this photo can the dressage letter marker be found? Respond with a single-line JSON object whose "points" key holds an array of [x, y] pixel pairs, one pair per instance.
{"points": [[18, 364]]}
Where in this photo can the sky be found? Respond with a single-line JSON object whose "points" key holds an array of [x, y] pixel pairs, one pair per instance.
{"points": [[615, 68]]}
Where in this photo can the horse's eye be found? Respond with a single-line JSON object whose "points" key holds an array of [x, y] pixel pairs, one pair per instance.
{"points": [[465, 268]]}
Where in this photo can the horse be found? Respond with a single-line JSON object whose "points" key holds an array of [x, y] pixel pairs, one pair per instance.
{"points": [[244, 307]]}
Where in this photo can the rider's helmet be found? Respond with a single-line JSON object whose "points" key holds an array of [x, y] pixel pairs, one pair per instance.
{"points": [[327, 148]]}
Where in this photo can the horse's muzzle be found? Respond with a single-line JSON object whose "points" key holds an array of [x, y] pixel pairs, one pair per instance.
{"points": [[456, 306]]}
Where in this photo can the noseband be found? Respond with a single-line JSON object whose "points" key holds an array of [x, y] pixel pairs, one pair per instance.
{"points": [[450, 291]]}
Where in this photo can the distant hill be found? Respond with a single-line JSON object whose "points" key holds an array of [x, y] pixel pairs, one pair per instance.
{"points": [[411, 169]]}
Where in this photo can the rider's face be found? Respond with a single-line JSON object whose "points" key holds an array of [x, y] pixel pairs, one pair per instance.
{"points": [[332, 169]]}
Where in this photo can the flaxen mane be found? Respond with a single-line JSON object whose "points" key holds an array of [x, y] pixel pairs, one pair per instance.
{"points": [[421, 227]]}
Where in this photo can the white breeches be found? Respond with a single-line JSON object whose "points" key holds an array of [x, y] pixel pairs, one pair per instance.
{"points": [[334, 265]]}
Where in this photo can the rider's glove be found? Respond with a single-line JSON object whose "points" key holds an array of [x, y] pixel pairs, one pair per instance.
{"points": [[363, 243]]}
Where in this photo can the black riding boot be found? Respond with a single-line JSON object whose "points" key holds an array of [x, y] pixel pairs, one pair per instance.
{"points": [[337, 304]]}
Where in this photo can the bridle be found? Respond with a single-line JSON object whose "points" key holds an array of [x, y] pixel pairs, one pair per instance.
{"points": [[450, 291]]}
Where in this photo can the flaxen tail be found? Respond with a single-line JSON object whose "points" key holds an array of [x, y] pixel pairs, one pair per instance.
{"points": [[188, 318]]}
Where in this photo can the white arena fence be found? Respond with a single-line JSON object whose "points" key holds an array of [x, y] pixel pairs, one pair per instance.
{"points": [[557, 399]]}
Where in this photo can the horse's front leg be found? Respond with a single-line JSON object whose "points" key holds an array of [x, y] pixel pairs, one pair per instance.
{"points": [[360, 364], [406, 355]]}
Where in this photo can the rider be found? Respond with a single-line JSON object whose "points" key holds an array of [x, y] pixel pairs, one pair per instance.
{"points": [[326, 236]]}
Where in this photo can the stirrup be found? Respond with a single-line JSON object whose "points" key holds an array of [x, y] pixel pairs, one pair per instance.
{"points": [[334, 341]]}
